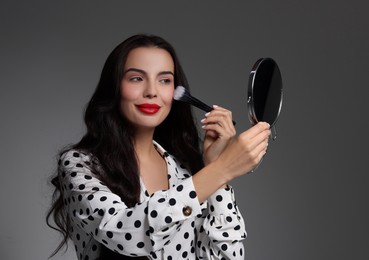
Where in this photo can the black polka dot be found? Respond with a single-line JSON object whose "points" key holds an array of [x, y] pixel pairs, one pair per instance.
{"points": [[224, 247], [109, 234], [129, 213], [219, 198], [237, 227], [192, 194], [186, 235], [128, 236], [88, 177], [151, 229], [66, 162], [79, 165], [73, 174], [111, 211], [120, 224], [104, 241], [229, 206], [154, 214], [140, 244], [179, 187], [137, 223], [212, 208], [94, 248], [178, 247], [161, 200], [225, 234], [184, 254], [81, 186], [229, 219], [172, 202], [120, 247], [101, 212], [75, 154], [103, 198], [168, 220]]}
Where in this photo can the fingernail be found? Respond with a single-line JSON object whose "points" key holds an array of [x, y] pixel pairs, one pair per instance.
{"points": [[215, 106], [202, 120], [203, 126], [208, 113]]}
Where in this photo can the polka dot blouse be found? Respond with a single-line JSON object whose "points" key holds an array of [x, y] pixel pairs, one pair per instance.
{"points": [[169, 224]]}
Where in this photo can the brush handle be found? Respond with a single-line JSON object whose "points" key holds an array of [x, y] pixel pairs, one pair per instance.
{"points": [[199, 104]]}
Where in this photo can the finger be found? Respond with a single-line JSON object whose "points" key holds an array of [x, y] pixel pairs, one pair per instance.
{"points": [[259, 151], [257, 129], [218, 119], [259, 139], [224, 118], [222, 132], [212, 134], [251, 143], [225, 110]]}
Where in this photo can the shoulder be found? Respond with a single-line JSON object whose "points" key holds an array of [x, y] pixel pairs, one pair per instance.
{"points": [[75, 158]]}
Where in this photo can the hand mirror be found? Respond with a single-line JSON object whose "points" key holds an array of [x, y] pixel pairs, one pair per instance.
{"points": [[265, 93]]}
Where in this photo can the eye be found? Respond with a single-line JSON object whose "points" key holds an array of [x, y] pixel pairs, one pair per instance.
{"points": [[165, 81], [135, 79]]}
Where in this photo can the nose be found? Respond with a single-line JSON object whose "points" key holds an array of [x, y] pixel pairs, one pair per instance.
{"points": [[150, 90]]}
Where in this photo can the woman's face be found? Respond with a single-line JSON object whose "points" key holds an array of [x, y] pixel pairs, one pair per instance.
{"points": [[147, 87]]}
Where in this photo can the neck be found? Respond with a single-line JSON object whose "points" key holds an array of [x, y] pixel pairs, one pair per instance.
{"points": [[143, 143]]}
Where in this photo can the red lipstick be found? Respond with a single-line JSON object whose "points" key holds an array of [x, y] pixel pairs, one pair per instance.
{"points": [[149, 109]]}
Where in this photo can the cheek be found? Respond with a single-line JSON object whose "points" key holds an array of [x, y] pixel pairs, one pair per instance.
{"points": [[128, 93], [167, 96]]}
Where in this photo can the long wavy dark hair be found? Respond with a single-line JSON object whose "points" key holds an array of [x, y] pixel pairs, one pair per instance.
{"points": [[109, 136]]}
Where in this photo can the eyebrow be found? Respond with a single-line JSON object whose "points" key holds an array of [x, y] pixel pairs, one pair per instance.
{"points": [[145, 73]]}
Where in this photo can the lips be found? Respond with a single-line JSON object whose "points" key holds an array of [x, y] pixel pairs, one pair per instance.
{"points": [[149, 109]]}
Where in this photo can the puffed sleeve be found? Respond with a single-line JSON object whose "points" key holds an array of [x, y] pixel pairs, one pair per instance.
{"points": [[135, 231], [222, 231]]}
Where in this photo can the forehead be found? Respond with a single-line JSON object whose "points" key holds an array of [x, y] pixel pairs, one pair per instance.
{"points": [[149, 59]]}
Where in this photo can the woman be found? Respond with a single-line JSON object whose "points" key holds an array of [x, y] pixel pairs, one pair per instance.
{"points": [[138, 184]]}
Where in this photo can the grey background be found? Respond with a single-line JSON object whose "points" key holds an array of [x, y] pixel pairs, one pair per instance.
{"points": [[308, 199]]}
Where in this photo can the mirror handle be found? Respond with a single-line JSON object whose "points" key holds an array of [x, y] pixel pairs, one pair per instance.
{"points": [[273, 135]]}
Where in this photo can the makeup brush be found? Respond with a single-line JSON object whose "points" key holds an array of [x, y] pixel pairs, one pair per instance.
{"points": [[181, 94]]}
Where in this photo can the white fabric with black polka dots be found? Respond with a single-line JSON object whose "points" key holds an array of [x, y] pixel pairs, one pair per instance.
{"points": [[169, 224]]}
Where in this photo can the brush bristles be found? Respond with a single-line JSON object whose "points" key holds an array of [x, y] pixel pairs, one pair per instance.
{"points": [[181, 94]]}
